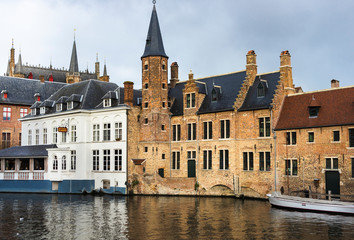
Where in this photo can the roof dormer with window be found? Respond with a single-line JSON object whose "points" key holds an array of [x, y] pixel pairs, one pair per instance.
{"points": [[314, 108], [3, 95], [110, 99]]}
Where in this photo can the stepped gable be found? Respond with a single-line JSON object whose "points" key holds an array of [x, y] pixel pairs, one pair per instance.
{"points": [[336, 108], [228, 86], [21, 91], [269, 82]]}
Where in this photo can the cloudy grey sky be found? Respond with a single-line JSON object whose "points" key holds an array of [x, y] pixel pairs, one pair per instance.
{"points": [[209, 37]]}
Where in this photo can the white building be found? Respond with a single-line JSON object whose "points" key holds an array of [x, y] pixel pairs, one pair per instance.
{"points": [[85, 125]]}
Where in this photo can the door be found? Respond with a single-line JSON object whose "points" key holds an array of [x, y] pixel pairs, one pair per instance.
{"points": [[191, 168], [332, 182]]}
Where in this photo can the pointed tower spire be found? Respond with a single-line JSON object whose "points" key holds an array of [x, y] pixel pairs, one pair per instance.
{"points": [[104, 69], [18, 68], [74, 65], [154, 44]]}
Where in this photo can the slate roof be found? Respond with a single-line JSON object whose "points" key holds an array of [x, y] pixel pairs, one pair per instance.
{"points": [[230, 85], [252, 100], [74, 65], [26, 151], [21, 91], [154, 44], [336, 109]]}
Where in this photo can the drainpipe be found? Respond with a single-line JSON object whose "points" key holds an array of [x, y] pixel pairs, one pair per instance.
{"points": [[126, 152], [169, 135], [275, 149]]}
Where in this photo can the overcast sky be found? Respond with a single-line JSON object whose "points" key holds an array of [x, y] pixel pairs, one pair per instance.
{"points": [[209, 37]]}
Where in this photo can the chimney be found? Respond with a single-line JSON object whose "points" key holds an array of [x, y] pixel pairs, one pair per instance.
{"points": [[334, 83], [174, 75], [41, 77], [129, 93], [251, 67], [286, 76]]}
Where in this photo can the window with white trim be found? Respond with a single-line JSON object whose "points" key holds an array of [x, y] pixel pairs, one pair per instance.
{"points": [[63, 163], [224, 159], [29, 137], [118, 160], [42, 110], [192, 131], [45, 136], [176, 132], [311, 136], [190, 100], [208, 130], [264, 127], [63, 137], [291, 167], [207, 159], [264, 161], [73, 160], [70, 105], [336, 136], [106, 132], [106, 160], [291, 138], [118, 130], [23, 112], [96, 160], [107, 102], [55, 163], [224, 128], [37, 136], [55, 135], [58, 107], [332, 163], [96, 132], [6, 113], [176, 160], [248, 161], [73, 133]]}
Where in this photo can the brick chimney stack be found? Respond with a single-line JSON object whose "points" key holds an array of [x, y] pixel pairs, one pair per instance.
{"points": [[41, 77], [174, 75], [334, 83], [286, 76], [251, 67], [129, 93]]}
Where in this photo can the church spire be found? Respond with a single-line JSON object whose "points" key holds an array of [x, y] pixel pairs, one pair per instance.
{"points": [[154, 44], [74, 65], [18, 68]]}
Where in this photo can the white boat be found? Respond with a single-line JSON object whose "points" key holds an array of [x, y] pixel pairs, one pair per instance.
{"points": [[310, 204]]}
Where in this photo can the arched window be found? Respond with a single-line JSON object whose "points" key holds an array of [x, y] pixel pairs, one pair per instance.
{"points": [[260, 90], [146, 65], [63, 162], [55, 163]]}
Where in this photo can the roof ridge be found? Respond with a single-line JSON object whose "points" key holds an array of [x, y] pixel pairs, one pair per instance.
{"points": [[87, 88], [196, 79], [259, 74], [321, 90]]}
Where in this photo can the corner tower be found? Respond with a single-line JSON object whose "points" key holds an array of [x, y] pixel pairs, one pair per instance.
{"points": [[73, 76]]}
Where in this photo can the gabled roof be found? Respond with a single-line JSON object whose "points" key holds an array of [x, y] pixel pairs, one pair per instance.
{"points": [[252, 100], [26, 151], [229, 84], [336, 108], [21, 91], [154, 44]]}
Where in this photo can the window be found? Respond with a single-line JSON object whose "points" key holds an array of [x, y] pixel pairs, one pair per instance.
{"points": [[224, 159], [63, 137], [73, 160], [208, 130], [191, 155], [70, 105], [96, 160], [6, 140], [10, 165], [176, 132], [107, 102], [6, 113], [37, 136], [73, 133], [19, 139], [176, 160], [45, 136], [163, 105], [264, 127], [225, 129], [163, 156], [146, 121], [351, 137], [260, 90], [55, 163], [336, 136], [55, 135], [96, 132], [23, 112], [163, 85], [63, 162], [313, 111], [59, 107], [106, 132], [291, 138], [207, 159], [163, 127], [106, 160], [192, 131], [42, 110], [118, 160], [214, 96], [291, 167], [118, 131], [34, 111], [311, 137], [190, 100], [146, 85], [146, 66], [163, 67], [146, 105], [264, 161], [331, 163], [352, 167], [24, 164], [39, 164], [29, 137], [248, 161], [146, 149]]}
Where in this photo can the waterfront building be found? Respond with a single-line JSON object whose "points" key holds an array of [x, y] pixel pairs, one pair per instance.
{"points": [[315, 141], [74, 141], [210, 136]]}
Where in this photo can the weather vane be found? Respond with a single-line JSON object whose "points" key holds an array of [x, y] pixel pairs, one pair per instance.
{"points": [[153, 1]]}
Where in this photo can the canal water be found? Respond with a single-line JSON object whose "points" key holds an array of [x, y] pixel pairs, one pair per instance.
{"points": [[40, 216]]}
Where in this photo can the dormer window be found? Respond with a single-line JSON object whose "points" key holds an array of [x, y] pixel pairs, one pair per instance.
{"points": [[37, 97], [4, 94], [190, 100], [70, 105], [260, 90], [107, 102], [42, 110], [59, 107], [214, 95], [313, 111], [34, 111]]}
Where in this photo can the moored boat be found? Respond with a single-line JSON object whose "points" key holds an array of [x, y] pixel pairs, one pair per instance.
{"points": [[310, 204]]}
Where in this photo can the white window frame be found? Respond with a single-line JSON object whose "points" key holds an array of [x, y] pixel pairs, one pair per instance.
{"points": [[118, 160], [37, 136], [189, 102], [23, 112], [29, 137], [118, 130], [73, 133], [70, 105], [59, 107], [55, 163], [106, 159], [63, 162], [106, 132], [291, 169], [176, 160], [107, 102], [95, 160], [96, 132], [45, 136], [55, 134], [208, 161], [222, 153], [223, 122], [73, 160]]}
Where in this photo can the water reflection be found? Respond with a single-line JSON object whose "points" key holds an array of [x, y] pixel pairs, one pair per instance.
{"points": [[107, 217]]}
